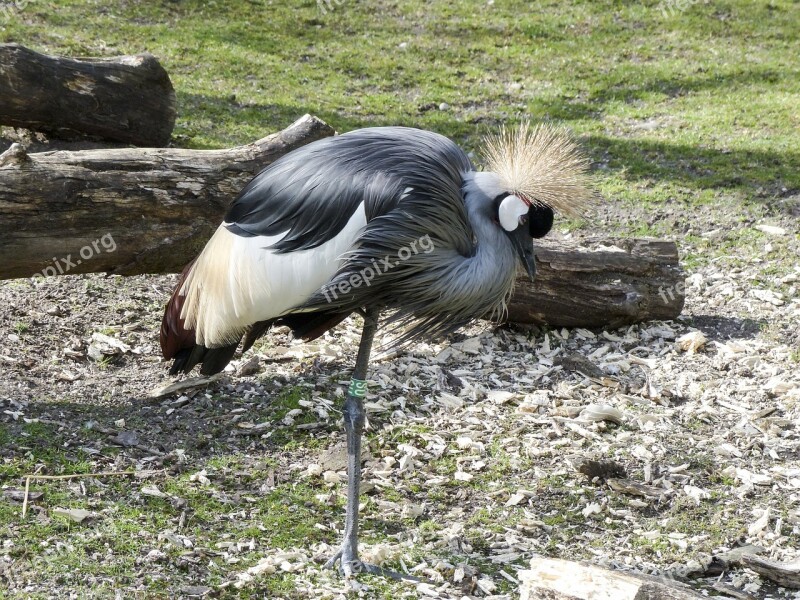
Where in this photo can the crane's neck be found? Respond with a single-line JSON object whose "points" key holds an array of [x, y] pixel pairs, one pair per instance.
{"points": [[493, 266]]}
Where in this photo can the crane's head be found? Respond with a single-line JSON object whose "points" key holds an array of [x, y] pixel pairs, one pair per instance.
{"points": [[536, 171]]}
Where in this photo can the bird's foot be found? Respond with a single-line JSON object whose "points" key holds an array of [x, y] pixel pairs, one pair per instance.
{"points": [[350, 564]]}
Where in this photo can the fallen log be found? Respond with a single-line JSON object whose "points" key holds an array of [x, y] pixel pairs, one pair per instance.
{"points": [[131, 211], [125, 98], [125, 211], [557, 579], [600, 283]]}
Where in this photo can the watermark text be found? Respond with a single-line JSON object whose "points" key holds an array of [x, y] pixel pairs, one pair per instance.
{"points": [[387, 263], [66, 263], [670, 8]]}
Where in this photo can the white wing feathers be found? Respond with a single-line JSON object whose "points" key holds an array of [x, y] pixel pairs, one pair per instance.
{"points": [[237, 281]]}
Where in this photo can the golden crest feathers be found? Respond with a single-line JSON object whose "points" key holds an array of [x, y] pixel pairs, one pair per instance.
{"points": [[543, 164]]}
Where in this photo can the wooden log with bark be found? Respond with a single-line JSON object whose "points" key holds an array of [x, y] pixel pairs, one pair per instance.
{"points": [[61, 211], [600, 283], [131, 211], [125, 98]]}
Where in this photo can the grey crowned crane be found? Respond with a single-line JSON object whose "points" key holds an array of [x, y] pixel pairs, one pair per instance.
{"points": [[390, 222]]}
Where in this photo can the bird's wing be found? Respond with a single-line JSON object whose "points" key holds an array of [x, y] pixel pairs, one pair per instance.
{"points": [[414, 260], [308, 196], [290, 229]]}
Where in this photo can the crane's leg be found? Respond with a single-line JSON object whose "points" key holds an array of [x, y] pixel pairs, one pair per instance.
{"points": [[354, 418]]}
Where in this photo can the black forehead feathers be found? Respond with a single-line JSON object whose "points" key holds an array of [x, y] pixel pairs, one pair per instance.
{"points": [[540, 220]]}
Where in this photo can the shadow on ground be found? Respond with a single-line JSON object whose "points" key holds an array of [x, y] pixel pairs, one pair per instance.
{"points": [[720, 328]]}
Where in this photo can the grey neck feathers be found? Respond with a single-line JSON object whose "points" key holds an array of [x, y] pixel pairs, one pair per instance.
{"points": [[492, 268]]}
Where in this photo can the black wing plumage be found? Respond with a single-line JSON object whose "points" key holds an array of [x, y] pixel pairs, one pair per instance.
{"points": [[313, 191]]}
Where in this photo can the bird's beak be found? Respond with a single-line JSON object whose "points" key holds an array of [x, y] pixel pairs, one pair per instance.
{"points": [[523, 244]]}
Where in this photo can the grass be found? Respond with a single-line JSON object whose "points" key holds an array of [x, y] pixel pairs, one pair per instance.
{"points": [[129, 524], [681, 114]]}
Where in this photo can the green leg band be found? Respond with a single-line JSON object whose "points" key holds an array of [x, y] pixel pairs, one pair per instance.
{"points": [[358, 388]]}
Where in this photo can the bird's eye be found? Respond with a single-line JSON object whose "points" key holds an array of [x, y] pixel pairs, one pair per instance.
{"points": [[523, 219]]}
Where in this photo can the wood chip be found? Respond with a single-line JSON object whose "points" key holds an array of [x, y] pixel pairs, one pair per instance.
{"points": [[182, 386], [634, 488], [77, 515], [692, 341], [771, 229]]}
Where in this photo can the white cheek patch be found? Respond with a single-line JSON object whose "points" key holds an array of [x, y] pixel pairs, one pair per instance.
{"points": [[511, 209]]}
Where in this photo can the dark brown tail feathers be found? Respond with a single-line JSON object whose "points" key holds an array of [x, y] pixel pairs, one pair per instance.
{"points": [[178, 343], [174, 337]]}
